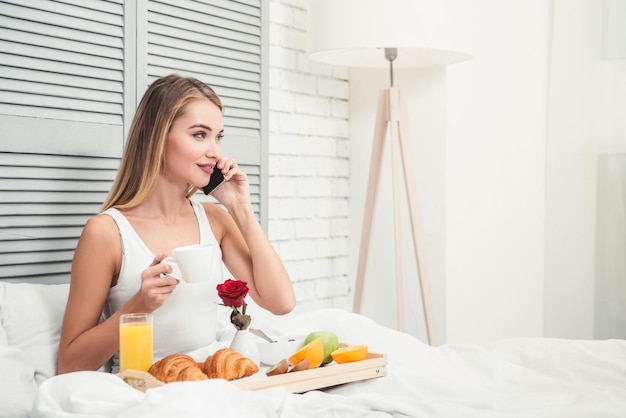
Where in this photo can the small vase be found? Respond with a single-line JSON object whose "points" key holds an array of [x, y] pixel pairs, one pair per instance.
{"points": [[243, 343]]}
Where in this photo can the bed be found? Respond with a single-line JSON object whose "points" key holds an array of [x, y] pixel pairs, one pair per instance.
{"points": [[524, 377]]}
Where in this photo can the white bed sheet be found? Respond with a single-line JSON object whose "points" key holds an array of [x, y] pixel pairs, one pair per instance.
{"points": [[509, 378]]}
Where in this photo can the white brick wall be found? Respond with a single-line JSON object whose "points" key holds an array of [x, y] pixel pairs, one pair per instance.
{"points": [[308, 163]]}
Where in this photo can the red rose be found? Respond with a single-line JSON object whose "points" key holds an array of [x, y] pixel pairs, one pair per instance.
{"points": [[232, 292]]}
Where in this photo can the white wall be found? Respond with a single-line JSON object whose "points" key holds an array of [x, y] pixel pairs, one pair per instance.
{"points": [[587, 108], [482, 193], [308, 163], [479, 130], [479, 134], [496, 175]]}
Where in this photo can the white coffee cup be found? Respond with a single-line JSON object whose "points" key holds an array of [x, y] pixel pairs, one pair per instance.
{"points": [[192, 263]]}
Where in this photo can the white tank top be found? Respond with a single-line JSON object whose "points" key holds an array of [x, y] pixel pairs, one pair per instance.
{"points": [[187, 319]]}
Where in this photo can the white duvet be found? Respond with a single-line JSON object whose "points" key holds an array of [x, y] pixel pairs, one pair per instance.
{"points": [[510, 378]]}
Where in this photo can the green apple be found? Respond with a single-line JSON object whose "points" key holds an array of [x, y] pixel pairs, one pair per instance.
{"points": [[329, 341]]}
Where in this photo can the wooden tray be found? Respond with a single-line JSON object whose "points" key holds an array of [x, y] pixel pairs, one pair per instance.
{"points": [[374, 365], [140, 380]]}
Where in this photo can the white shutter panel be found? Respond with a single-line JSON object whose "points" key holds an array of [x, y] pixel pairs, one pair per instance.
{"points": [[218, 42], [68, 85], [61, 127], [46, 200], [58, 63]]}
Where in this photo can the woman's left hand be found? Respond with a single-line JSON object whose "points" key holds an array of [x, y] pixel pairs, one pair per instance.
{"points": [[235, 190]]}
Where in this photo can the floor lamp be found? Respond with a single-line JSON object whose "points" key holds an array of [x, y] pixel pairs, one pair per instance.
{"points": [[377, 33]]}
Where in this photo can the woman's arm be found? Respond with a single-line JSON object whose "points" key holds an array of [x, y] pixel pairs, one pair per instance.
{"points": [[247, 252], [250, 257], [85, 343]]}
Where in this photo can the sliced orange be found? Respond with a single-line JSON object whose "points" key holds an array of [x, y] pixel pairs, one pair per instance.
{"points": [[350, 353], [314, 351]]}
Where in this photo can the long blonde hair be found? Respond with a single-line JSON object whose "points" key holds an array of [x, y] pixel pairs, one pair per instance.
{"points": [[142, 161]]}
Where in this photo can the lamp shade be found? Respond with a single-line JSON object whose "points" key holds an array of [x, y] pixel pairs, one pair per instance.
{"points": [[354, 33]]}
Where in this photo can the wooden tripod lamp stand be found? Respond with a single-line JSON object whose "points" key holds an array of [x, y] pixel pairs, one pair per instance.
{"points": [[409, 32], [392, 117]]}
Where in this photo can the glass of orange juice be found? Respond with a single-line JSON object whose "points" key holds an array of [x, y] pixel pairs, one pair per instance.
{"points": [[136, 341]]}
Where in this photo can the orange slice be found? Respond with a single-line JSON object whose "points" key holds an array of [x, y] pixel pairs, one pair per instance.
{"points": [[314, 351], [350, 353]]}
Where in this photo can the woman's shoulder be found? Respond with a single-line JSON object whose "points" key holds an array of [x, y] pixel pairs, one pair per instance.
{"points": [[101, 226]]}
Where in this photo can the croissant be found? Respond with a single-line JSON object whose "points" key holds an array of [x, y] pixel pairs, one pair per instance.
{"points": [[177, 368], [228, 364]]}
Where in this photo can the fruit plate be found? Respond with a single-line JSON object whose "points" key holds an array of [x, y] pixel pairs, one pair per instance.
{"points": [[374, 365]]}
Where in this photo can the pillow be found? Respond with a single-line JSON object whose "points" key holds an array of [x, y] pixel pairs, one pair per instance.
{"points": [[32, 315], [17, 386]]}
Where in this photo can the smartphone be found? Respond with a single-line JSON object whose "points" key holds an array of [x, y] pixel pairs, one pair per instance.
{"points": [[217, 178]]}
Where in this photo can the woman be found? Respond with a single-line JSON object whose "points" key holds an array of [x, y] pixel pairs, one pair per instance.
{"points": [[171, 152]]}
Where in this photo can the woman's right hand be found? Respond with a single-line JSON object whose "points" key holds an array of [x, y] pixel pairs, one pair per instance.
{"points": [[235, 190], [156, 285]]}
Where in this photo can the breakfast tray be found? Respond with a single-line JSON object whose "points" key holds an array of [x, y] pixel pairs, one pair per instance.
{"points": [[374, 365]]}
